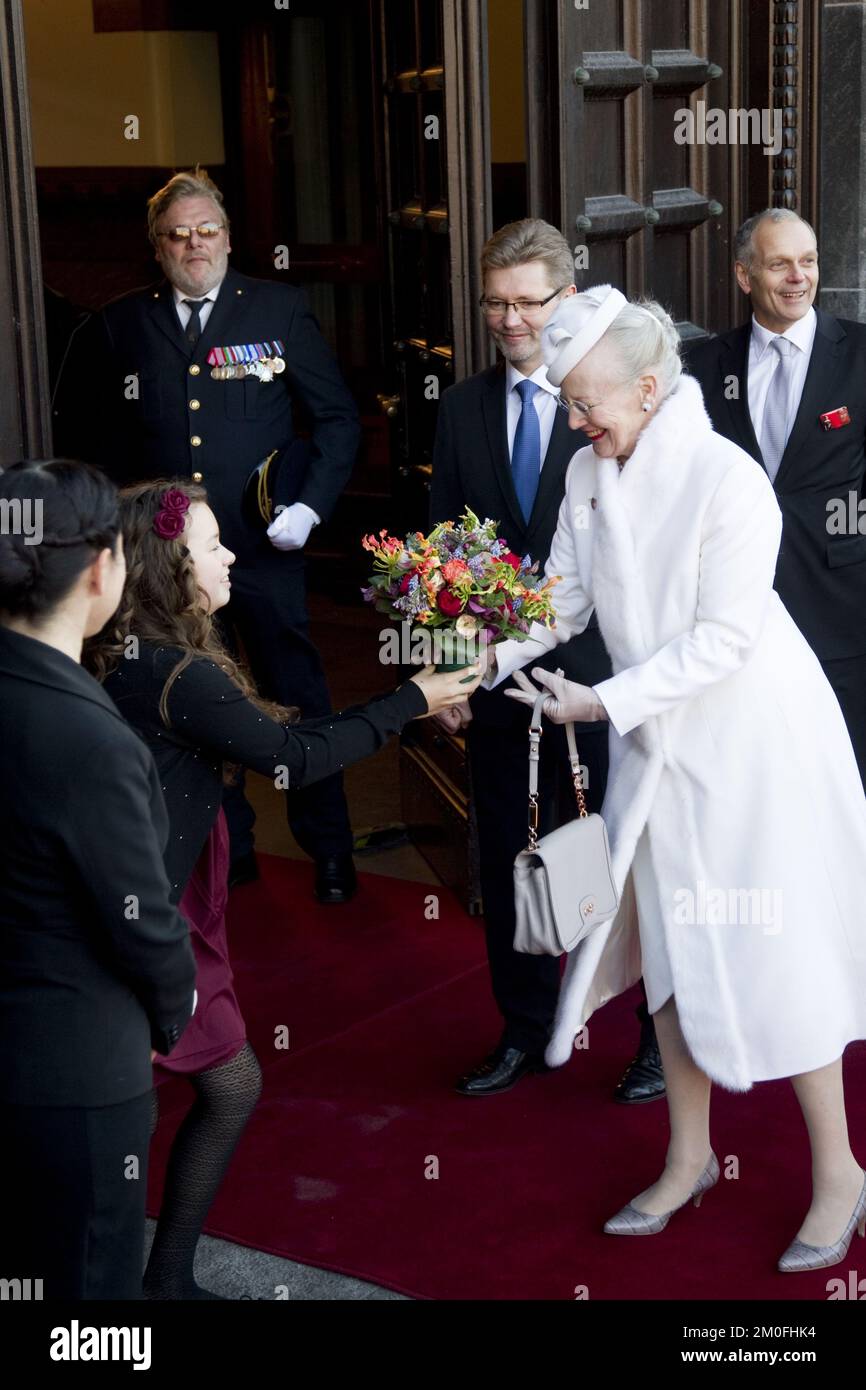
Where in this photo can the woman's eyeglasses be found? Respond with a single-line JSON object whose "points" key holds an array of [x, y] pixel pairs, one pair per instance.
{"points": [[581, 407], [206, 230]]}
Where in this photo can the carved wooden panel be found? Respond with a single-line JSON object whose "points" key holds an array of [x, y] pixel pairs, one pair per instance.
{"points": [[437, 194], [625, 102]]}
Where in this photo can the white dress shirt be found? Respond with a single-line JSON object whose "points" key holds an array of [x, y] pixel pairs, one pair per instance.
{"points": [[763, 360], [184, 312], [543, 400]]}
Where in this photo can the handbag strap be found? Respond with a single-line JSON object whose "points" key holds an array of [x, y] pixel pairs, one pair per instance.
{"points": [[535, 732]]}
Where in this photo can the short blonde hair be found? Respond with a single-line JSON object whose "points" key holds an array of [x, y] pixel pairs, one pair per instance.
{"points": [[189, 183], [530, 239]]}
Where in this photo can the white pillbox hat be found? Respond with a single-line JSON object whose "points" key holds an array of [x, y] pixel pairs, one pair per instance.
{"points": [[575, 327]]}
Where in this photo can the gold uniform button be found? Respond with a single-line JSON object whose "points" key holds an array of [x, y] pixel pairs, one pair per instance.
{"points": [[195, 441], [194, 405], [197, 477], [194, 369]]}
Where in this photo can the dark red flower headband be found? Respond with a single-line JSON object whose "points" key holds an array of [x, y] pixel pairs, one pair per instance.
{"points": [[171, 517]]}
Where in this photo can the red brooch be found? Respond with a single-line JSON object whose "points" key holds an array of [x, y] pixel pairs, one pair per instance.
{"points": [[835, 419]]}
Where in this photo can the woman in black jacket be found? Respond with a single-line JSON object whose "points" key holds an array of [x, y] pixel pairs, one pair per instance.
{"points": [[162, 663], [96, 970]]}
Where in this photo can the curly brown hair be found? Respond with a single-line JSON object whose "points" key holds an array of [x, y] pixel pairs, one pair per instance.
{"points": [[162, 601]]}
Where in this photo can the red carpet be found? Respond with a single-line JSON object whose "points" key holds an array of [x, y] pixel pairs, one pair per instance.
{"points": [[384, 1009]]}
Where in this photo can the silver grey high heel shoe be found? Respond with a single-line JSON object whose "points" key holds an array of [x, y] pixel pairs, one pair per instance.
{"points": [[631, 1222], [800, 1256]]}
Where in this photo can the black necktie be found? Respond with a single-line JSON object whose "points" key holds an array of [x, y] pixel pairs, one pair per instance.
{"points": [[193, 328]]}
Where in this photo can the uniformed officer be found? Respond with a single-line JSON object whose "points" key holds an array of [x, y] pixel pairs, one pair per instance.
{"points": [[145, 393]]}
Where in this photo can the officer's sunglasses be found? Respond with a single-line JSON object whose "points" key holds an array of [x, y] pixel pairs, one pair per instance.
{"points": [[206, 230]]}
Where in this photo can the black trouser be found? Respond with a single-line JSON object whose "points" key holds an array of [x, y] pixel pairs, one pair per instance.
{"points": [[848, 679], [525, 987], [74, 1181], [269, 613]]}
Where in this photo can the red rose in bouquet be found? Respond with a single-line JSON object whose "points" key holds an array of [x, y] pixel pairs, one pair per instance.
{"points": [[449, 603]]}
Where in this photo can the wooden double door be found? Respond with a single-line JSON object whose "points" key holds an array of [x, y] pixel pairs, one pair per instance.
{"points": [[367, 134]]}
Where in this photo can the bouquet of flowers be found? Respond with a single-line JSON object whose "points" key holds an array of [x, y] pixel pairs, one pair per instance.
{"points": [[462, 585]]}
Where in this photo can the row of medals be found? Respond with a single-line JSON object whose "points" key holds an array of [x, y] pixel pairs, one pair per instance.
{"points": [[265, 368]]}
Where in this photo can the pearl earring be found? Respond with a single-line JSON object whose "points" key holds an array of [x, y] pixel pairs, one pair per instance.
{"points": [[646, 406]]}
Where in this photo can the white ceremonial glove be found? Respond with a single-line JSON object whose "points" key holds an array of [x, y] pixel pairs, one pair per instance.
{"points": [[567, 701], [289, 531]]}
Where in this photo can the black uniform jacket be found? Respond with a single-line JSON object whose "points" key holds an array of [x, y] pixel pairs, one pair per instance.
{"points": [[137, 399]]}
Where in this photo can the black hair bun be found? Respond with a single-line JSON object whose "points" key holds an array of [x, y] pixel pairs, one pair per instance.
{"points": [[20, 569]]}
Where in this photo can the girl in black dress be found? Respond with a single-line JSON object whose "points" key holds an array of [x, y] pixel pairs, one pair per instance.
{"points": [[163, 664], [96, 969]]}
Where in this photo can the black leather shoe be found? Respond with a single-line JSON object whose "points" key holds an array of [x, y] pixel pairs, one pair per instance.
{"points": [[499, 1072], [336, 880], [244, 869], [643, 1079]]}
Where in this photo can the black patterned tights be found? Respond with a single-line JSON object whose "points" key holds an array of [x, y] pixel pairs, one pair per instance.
{"points": [[226, 1096]]}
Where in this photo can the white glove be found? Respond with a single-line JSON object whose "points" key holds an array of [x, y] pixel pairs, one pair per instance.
{"points": [[567, 700], [289, 531]]}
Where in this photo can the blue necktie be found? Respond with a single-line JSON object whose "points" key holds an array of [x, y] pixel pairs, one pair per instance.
{"points": [[526, 452]]}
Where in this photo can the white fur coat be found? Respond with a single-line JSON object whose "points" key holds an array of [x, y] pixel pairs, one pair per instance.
{"points": [[726, 742]]}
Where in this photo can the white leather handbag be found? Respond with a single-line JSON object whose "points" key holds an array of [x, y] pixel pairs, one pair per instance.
{"points": [[563, 883]]}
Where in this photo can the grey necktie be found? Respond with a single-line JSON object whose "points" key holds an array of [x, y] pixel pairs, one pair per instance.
{"points": [[774, 428]]}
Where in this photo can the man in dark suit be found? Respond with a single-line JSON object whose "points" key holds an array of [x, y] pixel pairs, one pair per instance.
{"points": [[789, 388], [141, 372], [502, 449]]}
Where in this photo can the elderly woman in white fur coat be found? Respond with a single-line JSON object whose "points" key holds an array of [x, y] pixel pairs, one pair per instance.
{"points": [[736, 815]]}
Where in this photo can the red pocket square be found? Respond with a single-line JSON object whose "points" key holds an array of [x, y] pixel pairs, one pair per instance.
{"points": [[835, 419]]}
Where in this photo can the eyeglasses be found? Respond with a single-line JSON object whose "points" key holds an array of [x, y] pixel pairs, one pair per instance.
{"points": [[497, 307], [206, 230], [581, 407]]}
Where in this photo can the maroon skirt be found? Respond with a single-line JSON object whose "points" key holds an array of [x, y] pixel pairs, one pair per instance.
{"points": [[216, 1030]]}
